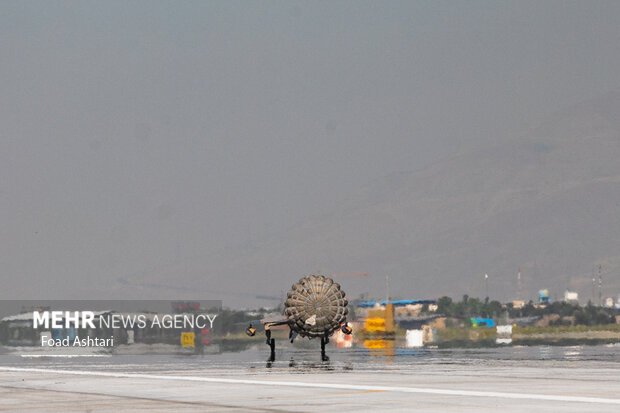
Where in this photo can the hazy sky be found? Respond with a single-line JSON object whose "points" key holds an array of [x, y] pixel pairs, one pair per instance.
{"points": [[136, 134]]}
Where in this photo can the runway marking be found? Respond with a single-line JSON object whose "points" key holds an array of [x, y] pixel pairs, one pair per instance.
{"points": [[68, 356], [339, 386]]}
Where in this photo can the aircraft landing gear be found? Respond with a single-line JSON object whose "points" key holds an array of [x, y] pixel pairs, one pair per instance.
{"points": [[324, 341], [271, 342]]}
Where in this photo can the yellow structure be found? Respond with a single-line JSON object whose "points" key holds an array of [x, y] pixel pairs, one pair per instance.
{"points": [[187, 339], [389, 318], [374, 324], [383, 348], [380, 320]]}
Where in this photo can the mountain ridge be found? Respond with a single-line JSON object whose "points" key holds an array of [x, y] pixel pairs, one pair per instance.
{"points": [[546, 202]]}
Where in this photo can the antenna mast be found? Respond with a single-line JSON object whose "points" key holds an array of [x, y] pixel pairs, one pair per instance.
{"points": [[600, 286]]}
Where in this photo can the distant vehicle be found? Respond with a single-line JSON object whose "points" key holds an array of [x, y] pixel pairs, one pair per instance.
{"points": [[315, 307]]}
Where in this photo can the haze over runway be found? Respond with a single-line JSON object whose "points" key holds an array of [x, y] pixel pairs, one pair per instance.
{"points": [[159, 150]]}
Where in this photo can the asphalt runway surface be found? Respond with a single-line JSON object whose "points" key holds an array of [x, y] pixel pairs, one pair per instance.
{"points": [[549, 378]]}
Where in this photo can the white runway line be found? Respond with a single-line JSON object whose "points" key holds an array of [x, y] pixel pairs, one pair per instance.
{"points": [[340, 386], [67, 356]]}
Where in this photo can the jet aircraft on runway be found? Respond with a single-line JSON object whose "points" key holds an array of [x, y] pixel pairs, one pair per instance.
{"points": [[315, 307]]}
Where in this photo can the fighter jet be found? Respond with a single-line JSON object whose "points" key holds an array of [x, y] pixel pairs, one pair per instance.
{"points": [[315, 307]]}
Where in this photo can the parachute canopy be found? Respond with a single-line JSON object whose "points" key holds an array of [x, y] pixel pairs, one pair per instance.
{"points": [[315, 306]]}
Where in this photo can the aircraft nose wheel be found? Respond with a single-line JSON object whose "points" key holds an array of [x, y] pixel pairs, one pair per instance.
{"points": [[324, 341]]}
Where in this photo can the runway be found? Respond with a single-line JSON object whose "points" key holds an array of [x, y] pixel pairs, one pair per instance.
{"points": [[425, 382]]}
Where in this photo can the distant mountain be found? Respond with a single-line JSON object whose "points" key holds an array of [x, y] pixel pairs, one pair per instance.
{"points": [[548, 203]]}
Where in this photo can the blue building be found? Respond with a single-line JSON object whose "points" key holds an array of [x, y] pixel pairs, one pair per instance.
{"points": [[543, 297]]}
